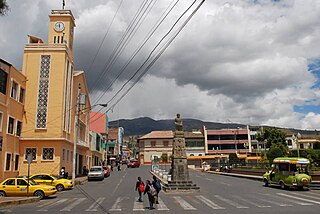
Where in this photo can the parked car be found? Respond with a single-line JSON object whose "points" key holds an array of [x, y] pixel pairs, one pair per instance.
{"points": [[133, 164], [18, 187], [288, 172], [60, 183], [96, 173]]}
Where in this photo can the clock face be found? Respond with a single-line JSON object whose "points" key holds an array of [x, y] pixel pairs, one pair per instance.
{"points": [[59, 26]]}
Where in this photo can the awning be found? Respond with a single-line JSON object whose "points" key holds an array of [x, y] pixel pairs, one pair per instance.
{"points": [[206, 157]]}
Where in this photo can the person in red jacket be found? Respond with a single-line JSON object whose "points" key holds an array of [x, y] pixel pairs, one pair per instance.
{"points": [[139, 188]]}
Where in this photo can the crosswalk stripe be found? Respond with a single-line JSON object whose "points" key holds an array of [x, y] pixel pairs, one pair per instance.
{"points": [[161, 205], [292, 201], [75, 203], [96, 204], [53, 204], [251, 202], [276, 203], [305, 195], [302, 199], [232, 203], [137, 206], [116, 205], [185, 205], [208, 202]]}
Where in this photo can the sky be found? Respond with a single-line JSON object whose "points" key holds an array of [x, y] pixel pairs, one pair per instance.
{"points": [[253, 62]]}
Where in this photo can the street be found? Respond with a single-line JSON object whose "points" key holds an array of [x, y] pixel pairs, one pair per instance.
{"points": [[218, 194]]}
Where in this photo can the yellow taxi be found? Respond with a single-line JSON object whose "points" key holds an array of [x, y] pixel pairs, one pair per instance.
{"points": [[19, 187], [60, 183]]}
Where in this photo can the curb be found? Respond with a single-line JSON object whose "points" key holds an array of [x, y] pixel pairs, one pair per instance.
{"points": [[17, 201]]}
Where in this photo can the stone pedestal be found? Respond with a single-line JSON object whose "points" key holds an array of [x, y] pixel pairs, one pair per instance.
{"points": [[180, 180]]}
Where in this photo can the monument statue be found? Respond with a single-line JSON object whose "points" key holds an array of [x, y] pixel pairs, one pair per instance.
{"points": [[180, 179], [178, 123]]}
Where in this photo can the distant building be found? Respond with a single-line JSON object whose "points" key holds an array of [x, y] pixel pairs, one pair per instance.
{"points": [[227, 141], [12, 99], [97, 150], [115, 141]]}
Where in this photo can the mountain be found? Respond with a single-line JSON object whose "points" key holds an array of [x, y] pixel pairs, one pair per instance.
{"points": [[144, 125]]}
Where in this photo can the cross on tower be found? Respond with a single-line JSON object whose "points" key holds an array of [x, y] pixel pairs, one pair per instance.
{"points": [[63, 4]]}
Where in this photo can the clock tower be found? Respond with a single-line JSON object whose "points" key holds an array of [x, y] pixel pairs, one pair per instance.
{"points": [[61, 28], [49, 130]]}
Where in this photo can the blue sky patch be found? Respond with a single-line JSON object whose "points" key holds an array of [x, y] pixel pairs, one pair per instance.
{"points": [[306, 109], [314, 68]]}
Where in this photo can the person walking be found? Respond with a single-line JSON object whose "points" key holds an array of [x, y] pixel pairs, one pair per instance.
{"points": [[151, 191], [157, 185], [140, 188]]}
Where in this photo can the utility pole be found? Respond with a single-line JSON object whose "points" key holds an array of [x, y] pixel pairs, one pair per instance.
{"points": [[76, 137]]}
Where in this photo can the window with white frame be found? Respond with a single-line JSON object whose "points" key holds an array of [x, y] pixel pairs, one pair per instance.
{"points": [[19, 128], [21, 95], [8, 161], [10, 125], [32, 151], [14, 90], [47, 153], [16, 162]]}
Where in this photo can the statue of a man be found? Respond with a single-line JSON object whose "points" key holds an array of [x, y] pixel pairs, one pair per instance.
{"points": [[178, 123]]}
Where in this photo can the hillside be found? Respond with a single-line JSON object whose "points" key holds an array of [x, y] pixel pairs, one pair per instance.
{"points": [[144, 125]]}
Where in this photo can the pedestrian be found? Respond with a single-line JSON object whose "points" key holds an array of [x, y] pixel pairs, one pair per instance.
{"points": [[84, 170], [140, 188], [157, 185], [151, 191], [62, 172]]}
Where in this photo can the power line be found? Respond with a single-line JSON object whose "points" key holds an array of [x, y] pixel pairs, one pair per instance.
{"points": [[152, 31], [160, 52], [145, 62]]}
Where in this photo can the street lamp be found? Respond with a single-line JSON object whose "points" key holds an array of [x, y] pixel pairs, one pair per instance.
{"points": [[79, 102], [298, 145]]}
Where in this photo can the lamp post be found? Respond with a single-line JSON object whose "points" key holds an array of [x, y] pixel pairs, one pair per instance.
{"points": [[298, 145], [77, 131]]}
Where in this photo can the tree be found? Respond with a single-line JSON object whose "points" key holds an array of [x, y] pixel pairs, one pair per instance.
{"points": [[233, 158], [3, 7], [274, 152]]}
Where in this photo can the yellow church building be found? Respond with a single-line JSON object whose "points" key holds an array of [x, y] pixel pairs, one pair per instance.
{"points": [[57, 102]]}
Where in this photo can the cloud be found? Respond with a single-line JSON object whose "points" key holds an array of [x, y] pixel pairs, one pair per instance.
{"points": [[239, 61]]}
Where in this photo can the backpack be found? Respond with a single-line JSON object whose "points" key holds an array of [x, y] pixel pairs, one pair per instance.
{"points": [[152, 190], [141, 187], [158, 185]]}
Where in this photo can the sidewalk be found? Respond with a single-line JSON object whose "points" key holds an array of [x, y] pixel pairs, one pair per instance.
{"points": [[254, 177], [13, 201]]}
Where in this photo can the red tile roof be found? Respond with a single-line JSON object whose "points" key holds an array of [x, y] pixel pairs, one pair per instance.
{"points": [[98, 122], [158, 135]]}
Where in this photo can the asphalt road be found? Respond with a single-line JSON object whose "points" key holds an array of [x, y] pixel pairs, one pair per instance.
{"points": [[218, 194]]}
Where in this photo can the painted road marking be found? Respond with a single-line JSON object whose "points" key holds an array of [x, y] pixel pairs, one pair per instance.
{"points": [[53, 204], [75, 203], [250, 202], [116, 205], [138, 206], [232, 203], [208, 202], [161, 205], [302, 199], [185, 205], [96, 204]]}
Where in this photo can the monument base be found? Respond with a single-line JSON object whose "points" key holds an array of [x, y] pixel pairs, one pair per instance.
{"points": [[180, 186]]}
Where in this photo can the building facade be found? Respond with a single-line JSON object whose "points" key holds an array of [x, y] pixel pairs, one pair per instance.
{"points": [[54, 119], [12, 99], [97, 150], [226, 141]]}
